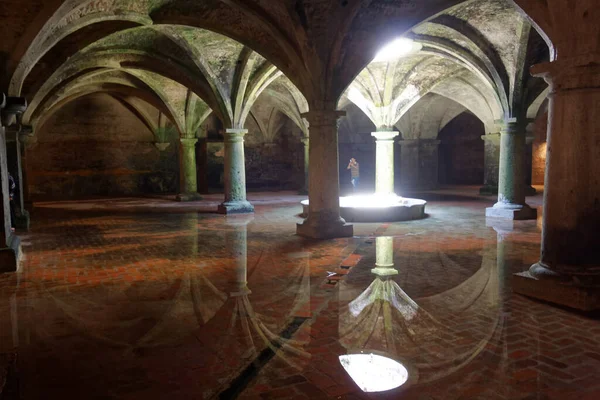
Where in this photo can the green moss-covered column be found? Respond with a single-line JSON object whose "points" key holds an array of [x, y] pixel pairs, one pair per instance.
{"points": [[384, 162], [324, 220], [491, 164], [511, 183], [235, 174], [188, 177], [306, 144]]}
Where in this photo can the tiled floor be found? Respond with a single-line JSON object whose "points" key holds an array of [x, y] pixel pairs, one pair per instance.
{"points": [[151, 299]]}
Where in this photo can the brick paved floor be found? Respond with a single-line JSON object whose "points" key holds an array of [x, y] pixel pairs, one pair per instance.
{"points": [[151, 299]]}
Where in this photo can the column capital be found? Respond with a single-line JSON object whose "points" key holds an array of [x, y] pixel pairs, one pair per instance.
{"points": [[234, 135], [305, 140], [318, 118], [385, 135], [572, 73], [188, 141], [513, 126]]}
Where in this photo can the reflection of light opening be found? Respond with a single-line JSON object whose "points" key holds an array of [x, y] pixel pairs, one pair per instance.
{"points": [[374, 373], [396, 49]]}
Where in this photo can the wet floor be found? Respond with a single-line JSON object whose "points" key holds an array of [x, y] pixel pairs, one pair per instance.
{"points": [[148, 299]]}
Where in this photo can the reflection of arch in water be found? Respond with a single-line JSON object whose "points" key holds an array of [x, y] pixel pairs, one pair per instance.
{"points": [[422, 333], [171, 312]]}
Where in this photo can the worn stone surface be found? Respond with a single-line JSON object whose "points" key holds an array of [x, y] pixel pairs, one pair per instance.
{"points": [[491, 164], [462, 157], [324, 219], [97, 147], [478, 53], [418, 165], [511, 183], [146, 306]]}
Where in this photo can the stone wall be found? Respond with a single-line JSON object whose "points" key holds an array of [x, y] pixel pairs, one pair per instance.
{"points": [[461, 151], [272, 163], [96, 146]]}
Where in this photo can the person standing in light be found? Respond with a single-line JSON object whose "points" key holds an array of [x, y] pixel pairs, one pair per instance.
{"points": [[355, 172]]}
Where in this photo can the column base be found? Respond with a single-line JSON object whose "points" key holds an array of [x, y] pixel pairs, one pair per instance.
{"points": [[530, 190], [22, 220], [184, 197], [489, 190], [511, 211], [10, 257], [319, 227], [235, 207], [553, 288]]}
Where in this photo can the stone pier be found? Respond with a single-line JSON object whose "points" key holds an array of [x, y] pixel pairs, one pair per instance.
{"points": [[235, 174], [324, 221], [188, 175], [511, 186], [568, 272]]}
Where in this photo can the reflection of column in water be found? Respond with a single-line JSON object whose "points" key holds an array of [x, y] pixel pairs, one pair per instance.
{"points": [[190, 227], [384, 261], [236, 244], [503, 252], [14, 320]]}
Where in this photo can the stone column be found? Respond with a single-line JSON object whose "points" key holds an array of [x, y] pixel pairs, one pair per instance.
{"points": [[306, 144], [188, 177], [235, 174], [511, 188], [324, 221], [569, 270], [384, 162], [491, 164]]}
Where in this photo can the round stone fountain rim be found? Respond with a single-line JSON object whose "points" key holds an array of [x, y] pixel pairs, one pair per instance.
{"points": [[406, 209]]}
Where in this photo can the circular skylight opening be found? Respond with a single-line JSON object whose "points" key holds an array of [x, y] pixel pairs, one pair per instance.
{"points": [[398, 48]]}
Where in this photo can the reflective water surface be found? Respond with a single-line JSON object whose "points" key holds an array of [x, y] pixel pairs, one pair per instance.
{"points": [[137, 299]]}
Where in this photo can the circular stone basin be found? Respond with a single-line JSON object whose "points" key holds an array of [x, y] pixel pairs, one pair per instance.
{"points": [[378, 208]]}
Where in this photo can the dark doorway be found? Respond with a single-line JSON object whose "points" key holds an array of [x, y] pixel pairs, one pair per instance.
{"points": [[461, 152]]}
